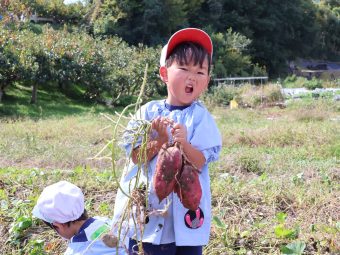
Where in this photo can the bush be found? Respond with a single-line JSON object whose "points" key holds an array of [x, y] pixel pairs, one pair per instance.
{"points": [[273, 93], [220, 95], [331, 83], [299, 82], [290, 79], [294, 82], [313, 84], [252, 96]]}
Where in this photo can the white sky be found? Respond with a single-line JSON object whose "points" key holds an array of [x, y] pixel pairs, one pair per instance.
{"points": [[71, 1]]}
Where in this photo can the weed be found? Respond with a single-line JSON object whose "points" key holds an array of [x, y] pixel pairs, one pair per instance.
{"points": [[283, 232], [250, 164]]}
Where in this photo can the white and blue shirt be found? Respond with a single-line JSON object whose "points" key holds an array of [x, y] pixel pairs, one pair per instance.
{"points": [[180, 225], [86, 241]]}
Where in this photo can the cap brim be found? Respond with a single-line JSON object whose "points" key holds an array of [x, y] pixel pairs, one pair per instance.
{"points": [[190, 35]]}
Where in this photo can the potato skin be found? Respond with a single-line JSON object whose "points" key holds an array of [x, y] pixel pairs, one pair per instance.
{"points": [[169, 163], [188, 187]]}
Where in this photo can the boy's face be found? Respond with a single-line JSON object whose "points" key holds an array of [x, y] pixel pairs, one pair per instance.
{"points": [[64, 230], [185, 82]]}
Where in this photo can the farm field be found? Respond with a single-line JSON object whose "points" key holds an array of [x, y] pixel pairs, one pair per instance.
{"points": [[68, 70], [275, 188]]}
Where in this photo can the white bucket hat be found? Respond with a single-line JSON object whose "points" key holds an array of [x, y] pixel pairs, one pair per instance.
{"points": [[60, 202]]}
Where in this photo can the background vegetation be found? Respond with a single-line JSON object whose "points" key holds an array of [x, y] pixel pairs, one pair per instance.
{"points": [[100, 47]]}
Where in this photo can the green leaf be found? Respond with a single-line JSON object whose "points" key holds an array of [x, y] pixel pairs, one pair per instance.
{"points": [[245, 234], [218, 223], [312, 227], [281, 217], [286, 250], [295, 248], [282, 232], [24, 222], [337, 225]]}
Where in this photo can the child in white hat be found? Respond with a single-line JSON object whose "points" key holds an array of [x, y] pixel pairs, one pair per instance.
{"points": [[61, 206]]}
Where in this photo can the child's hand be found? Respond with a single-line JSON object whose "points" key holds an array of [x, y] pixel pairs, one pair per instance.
{"points": [[160, 124], [179, 133], [195, 156]]}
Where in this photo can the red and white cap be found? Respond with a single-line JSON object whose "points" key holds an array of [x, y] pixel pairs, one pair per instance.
{"points": [[194, 35]]}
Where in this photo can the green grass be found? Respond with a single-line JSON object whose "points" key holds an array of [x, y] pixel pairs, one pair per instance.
{"points": [[275, 185], [277, 161], [50, 103]]}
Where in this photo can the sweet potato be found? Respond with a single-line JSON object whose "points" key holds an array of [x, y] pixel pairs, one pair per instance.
{"points": [[188, 187], [169, 163]]}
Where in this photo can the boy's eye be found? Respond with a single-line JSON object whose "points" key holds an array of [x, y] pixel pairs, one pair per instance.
{"points": [[201, 73]]}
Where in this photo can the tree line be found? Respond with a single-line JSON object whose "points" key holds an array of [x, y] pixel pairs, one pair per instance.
{"points": [[104, 45], [279, 31]]}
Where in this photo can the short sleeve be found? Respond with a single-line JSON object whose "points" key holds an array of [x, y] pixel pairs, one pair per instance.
{"points": [[131, 138], [211, 154], [206, 137]]}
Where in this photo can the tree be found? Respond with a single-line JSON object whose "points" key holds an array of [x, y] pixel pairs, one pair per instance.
{"points": [[328, 19], [9, 60], [279, 30], [148, 22], [231, 57]]}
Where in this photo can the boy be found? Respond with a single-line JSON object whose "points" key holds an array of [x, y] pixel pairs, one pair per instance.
{"points": [[61, 206], [185, 69]]}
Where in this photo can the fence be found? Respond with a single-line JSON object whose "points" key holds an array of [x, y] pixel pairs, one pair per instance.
{"points": [[236, 80]]}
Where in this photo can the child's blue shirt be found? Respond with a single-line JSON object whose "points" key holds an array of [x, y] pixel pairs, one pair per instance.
{"points": [[180, 225], [86, 241]]}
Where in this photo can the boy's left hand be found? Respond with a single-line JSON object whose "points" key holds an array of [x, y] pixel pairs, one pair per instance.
{"points": [[196, 157], [179, 133]]}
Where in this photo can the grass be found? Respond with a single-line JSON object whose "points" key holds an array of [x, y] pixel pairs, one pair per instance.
{"points": [[275, 187], [277, 161], [50, 103], [53, 143]]}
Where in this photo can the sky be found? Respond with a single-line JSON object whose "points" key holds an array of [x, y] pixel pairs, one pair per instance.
{"points": [[72, 1]]}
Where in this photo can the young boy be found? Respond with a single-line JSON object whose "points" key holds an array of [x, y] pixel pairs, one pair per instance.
{"points": [[185, 69], [61, 206]]}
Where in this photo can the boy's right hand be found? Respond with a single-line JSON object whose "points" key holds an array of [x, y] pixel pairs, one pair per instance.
{"points": [[160, 124]]}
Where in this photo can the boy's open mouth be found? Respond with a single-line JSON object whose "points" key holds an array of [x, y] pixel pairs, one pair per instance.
{"points": [[189, 89]]}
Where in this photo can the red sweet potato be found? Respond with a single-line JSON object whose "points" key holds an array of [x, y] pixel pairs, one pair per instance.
{"points": [[169, 163], [188, 187]]}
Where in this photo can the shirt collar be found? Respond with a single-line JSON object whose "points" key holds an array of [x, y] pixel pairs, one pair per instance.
{"points": [[81, 235], [175, 107]]}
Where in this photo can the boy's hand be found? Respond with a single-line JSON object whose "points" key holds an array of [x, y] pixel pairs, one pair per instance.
{"points": [[179, 133], [160, 124]]}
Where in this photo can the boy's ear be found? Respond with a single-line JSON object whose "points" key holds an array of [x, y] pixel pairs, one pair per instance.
{"points": [[163, 72]]}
